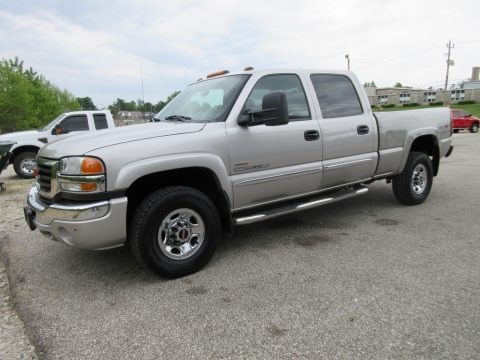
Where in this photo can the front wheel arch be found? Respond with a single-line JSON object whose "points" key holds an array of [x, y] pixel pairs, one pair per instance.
{"points": [[23, 162], [171, 222]]}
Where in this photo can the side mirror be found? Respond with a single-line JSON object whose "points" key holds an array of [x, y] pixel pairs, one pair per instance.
{"points": [[275, 108], [274, 111]]}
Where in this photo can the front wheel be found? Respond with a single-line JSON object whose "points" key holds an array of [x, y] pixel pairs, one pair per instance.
{"points": [[24, 164], [174, 231], [474, 128], [413, 185]]}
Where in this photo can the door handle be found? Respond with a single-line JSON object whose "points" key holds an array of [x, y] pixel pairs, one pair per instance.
{"points": [[363, 129], [311, 135]]}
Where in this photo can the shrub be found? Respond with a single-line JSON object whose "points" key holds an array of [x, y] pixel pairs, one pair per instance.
{"points": [[410, 104], [388, 106], [466, 102], [436, 103]]}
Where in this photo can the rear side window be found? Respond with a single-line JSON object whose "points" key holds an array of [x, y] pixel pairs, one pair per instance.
{"points": [[288, 83], [336, 95], [75, 123], [100, 121]]}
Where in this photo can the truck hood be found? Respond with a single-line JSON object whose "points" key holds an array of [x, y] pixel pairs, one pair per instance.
{"points": [[20, 135], [84, 143]]}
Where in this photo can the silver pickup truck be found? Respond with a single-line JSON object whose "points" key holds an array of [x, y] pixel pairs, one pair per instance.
{"points": [[233, 149]]}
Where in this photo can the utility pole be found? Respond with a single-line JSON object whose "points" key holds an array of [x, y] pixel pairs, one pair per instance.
{"points": [[449, 63], [348, 61]]}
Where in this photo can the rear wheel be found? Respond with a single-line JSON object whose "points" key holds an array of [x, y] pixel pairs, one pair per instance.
{"points": [[24, 164], [175, 231], [413, 185], [474, 128]]}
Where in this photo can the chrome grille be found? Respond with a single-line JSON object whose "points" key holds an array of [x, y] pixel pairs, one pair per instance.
{"points": [[47, 178], [44, 177]]}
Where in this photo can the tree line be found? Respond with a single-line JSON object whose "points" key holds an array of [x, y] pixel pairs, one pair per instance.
{"points": [[29, 101]]}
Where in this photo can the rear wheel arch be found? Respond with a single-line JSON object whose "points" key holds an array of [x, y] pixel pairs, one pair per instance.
{"points": [[428, 144], [412, 186]]}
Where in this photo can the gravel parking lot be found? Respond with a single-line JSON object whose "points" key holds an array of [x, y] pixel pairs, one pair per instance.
{"points": [[361, 279]]}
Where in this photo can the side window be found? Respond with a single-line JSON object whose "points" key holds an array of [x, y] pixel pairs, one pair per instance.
{"points": [[75, 123], [100, 121], [290, 84], [336, 95]]}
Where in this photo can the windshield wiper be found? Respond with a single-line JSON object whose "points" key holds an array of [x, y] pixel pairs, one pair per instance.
{"points": [[178, 117]]}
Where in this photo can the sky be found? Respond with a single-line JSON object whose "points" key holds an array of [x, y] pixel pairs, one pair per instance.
{"points": [[106, 49]]}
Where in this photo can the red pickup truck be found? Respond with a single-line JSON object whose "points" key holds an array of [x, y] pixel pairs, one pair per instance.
{"points": [[464, 120]]}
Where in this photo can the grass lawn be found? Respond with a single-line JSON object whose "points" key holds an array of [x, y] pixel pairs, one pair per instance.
{"points": [[473, 109]]}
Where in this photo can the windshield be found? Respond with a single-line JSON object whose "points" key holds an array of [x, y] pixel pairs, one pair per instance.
{"points": [[205, 101], [50, 124]]}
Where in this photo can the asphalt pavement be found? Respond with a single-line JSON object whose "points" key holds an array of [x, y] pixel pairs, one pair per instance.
{"points": [[366, 278]]}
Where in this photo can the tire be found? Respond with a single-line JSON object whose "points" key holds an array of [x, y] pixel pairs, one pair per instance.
{"points": [[456, 131], [413, 185], [24, 164], [474, 128], [174, 231]]}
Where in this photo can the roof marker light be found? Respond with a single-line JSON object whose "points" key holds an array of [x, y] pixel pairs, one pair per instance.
{"points": [[217, 73]]}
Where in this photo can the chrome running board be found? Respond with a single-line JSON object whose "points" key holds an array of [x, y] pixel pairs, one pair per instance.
{"points": [[299, 206]]}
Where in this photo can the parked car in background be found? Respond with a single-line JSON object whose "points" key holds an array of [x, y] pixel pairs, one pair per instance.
{"points": [[28, 143], [464, 121]]}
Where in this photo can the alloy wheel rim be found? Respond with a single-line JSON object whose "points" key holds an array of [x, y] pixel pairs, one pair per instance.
{"points": [[419, 179], [181, 234], [27, 165]]}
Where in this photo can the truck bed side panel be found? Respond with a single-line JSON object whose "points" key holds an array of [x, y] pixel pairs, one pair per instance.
{"points": [[399, 129]]}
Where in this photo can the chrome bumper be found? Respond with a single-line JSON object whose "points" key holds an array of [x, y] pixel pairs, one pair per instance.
{"points": [[95, 226]]}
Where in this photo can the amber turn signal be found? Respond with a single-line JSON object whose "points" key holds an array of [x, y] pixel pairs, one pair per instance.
{"points": [[91, 166]]}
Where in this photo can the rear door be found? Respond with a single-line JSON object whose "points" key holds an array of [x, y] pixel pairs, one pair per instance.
{"points": [[271, 163], [348, 130]]}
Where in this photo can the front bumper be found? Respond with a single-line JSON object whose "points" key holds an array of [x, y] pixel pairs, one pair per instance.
{"points": [[94, 226]]}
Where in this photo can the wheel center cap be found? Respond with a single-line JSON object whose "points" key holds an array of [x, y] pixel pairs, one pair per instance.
{"points": [[183, 234], [179, 232]]}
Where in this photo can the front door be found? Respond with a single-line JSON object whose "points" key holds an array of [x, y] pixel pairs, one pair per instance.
{"points": [[271, 163]]}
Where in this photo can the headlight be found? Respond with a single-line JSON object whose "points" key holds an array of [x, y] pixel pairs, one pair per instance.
{"points": [[81, 165], [81, 174]]}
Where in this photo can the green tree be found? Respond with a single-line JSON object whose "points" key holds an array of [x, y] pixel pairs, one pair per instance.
{"points": [[117, 106], [28, 100], [161, 104], [86, 103], [122, 105], [398, 85]]}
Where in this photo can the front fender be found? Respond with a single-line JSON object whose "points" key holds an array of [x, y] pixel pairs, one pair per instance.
{"points": [[135, 170]]}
